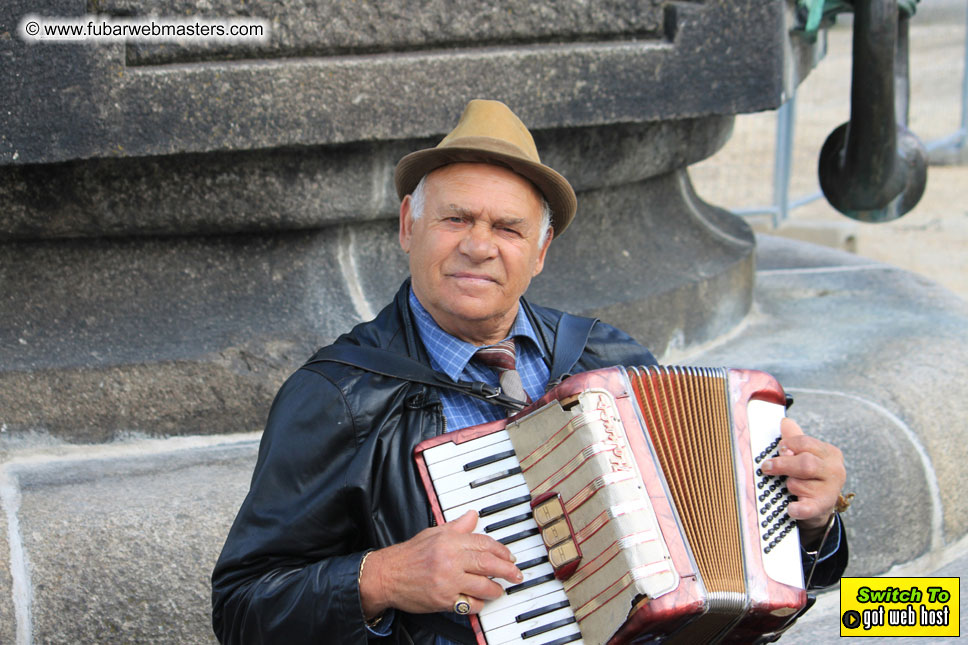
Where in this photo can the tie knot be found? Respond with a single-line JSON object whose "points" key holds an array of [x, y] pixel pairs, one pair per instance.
{"points": [[499, 357]]}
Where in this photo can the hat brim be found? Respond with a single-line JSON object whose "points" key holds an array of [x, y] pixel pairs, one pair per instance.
{"points": [[555, 188]]}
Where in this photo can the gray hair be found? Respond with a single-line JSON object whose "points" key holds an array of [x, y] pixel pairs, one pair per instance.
{"points": [[418, 200]]}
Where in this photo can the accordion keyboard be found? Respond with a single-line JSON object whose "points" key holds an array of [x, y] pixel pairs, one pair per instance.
{"points": [[483, 474]]}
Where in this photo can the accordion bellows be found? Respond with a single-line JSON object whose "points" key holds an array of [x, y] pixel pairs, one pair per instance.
{"points": [[648, 510]]}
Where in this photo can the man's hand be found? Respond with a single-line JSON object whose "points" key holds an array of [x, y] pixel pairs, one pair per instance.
{"points": [[428, 572], [815, 474]]}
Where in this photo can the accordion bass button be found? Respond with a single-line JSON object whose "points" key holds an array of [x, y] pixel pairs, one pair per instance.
{"points": [[562, 554], [556, 533], [564, 558], [548, 511]]}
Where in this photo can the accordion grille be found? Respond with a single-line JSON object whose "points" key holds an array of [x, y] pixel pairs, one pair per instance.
{"points": [[686, 413]]}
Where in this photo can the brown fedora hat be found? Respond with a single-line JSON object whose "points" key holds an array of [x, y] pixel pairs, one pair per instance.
{"points": [[489, 132]]}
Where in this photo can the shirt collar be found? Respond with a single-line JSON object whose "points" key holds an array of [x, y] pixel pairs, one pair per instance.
{"points": [[450, 354]]}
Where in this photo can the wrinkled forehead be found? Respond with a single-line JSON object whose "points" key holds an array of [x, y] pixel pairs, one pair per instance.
{"points": [[479, 185]]}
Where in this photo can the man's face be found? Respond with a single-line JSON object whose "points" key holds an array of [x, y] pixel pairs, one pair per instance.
{"points": [[475, 249]]}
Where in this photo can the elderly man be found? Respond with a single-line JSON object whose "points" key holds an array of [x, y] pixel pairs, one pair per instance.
{"points": [[335, 543]]}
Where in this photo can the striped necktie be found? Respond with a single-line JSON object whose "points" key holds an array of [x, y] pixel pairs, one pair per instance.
{"points": [[501, 359]]}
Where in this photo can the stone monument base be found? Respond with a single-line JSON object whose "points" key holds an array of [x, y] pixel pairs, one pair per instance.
{"points": [[186, 322]]}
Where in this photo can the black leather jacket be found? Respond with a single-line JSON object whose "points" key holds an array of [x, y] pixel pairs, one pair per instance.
{"points": [[335, 477]]}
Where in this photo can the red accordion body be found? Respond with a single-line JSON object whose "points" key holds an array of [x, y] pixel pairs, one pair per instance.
{"points": [[632, 500]]}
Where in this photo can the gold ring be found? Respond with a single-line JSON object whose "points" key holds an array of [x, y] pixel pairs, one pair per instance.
{"points": [[463, 605]]}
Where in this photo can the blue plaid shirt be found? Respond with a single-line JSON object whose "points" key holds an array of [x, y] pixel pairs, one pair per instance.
{"points": [[452, 356]]}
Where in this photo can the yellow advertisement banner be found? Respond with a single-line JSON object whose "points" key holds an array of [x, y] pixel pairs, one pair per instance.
{"points": [[900, 606]]}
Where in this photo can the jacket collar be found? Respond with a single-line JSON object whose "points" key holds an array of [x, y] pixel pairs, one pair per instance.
{"points": [[415, 348]]}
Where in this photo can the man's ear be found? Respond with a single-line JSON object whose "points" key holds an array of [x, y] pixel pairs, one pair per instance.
{"points": [[539, 265], [406, 223]]}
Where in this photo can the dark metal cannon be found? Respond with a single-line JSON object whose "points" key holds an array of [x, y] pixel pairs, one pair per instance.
{"points": [[872, 168]]}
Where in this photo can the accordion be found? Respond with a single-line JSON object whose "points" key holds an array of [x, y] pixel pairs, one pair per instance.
{"points": [[633, 502]]}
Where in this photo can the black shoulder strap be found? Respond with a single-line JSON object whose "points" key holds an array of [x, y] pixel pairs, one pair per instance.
{"points": [[571, 336], [387, 363]]}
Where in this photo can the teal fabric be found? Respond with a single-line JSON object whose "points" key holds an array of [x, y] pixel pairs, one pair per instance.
{"points": [[818, 10]]}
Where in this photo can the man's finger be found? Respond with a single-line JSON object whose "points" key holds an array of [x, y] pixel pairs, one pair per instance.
{"points": [[790, 432], [481, 588], [485, 563], [477, 542], [790, 428], [804, 465], [808, 509], [465, 523]]}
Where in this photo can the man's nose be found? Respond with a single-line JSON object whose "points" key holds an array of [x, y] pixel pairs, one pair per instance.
{"points": [[478, 244]]}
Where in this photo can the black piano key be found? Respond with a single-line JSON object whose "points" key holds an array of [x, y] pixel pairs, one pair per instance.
{"points": [[540, 611], [527, 564], [503, 524], [519, 536], [483, 481], [490, 459], [543, 629], [571, 638], [506, 504], [527, 584]]}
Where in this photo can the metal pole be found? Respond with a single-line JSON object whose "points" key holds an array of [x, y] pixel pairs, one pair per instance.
{"points": [[964, 89], [783, 161], [955, 141]]}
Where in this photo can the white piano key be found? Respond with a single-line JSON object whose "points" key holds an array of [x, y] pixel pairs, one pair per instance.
{"points": [[456, 463], [555, 634], [515, 491], [458, 496], [529, 574], [525, 544], [550, 594], [532, 553], [450, 450], [511, 632], [513, 529], [463, 479], [520, 604], [519, 514]]}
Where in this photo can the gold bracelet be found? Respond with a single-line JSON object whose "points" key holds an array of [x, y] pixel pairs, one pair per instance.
{"points": [[373, 622], [359, 577]]}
